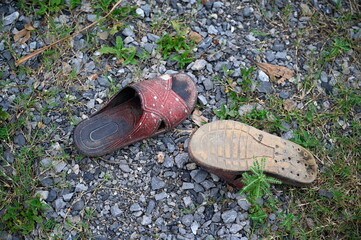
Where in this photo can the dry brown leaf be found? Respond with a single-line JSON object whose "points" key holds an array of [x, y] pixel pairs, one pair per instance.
{"points": [[204, 2], [289, 105], [196, 37], [197, 117], [275, 71], [23, 36], [160, 157]]}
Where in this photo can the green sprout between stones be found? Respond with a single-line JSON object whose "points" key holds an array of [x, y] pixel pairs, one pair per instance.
{"points": [[256, 186], [121, 52], [177, 46]]}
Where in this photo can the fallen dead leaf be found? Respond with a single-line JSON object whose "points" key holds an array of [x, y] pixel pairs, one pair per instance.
{"points": [[275, 71], [196, 37], [23, 35], [204, 1], [160, 157], [197, 117], [289, 105]]}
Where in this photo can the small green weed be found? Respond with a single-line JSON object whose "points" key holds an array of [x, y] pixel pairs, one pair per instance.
{"points": [[177, 47], [256, 186], [238, 92], [127, 55], [23, 217], [48, 6]]}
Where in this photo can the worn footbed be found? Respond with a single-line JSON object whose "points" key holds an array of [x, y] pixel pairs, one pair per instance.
{"points": [[94, 136], [232, 147]]}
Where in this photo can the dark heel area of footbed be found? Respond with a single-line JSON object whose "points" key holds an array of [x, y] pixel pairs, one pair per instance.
{"points": [[95, 135], [183, 87]]}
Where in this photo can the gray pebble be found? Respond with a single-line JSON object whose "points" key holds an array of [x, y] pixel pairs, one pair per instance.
{"points": [[278, 47], [146, 220], [194, 227], [199, 64], [146, 9], [244, 204], [187, 185], [168, 162], [229, 216], [216, 217], [262, 76], [115, 211], [9, 157], [270, 56], [324, 77], [264, 87], [235, 228], [125, 168], [128, 32], [59, 204], [20, 140], [217, 6], [128, 40], [89, 67], [181, 159], [251, 38], [140, 12], [67, 197], [78, 205], [149, 47], [208, 84], [209, 5], [156, 183], [52, 195], [152, 37], [59, 166], [47, 182], [80, 187], [150, 207], [247, 11], [212, 30], [135, 207], [103, 81], [205, 43], [160, 196], [187, 219], [202, 99], [10, 19], [208, 184], [284, 95], [288, 135], [281, 55], [187, 201], [272, 216], [91, 17], [199, 175]]}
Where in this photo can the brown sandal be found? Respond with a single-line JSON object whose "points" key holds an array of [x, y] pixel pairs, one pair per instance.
{"points": [[228, 148]]}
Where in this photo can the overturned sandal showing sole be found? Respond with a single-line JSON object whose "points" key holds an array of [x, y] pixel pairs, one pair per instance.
{"points": [[139, 111], [228, 148]]}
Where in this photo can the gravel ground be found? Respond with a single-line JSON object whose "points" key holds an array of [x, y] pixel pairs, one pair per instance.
{"points": [[150, 189]]}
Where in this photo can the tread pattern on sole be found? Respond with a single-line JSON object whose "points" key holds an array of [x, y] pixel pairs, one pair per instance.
{"points": [[234, 146]]}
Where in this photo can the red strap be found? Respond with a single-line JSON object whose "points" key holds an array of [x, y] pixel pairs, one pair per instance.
{"points": [[159, 99], [159, 103]]}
